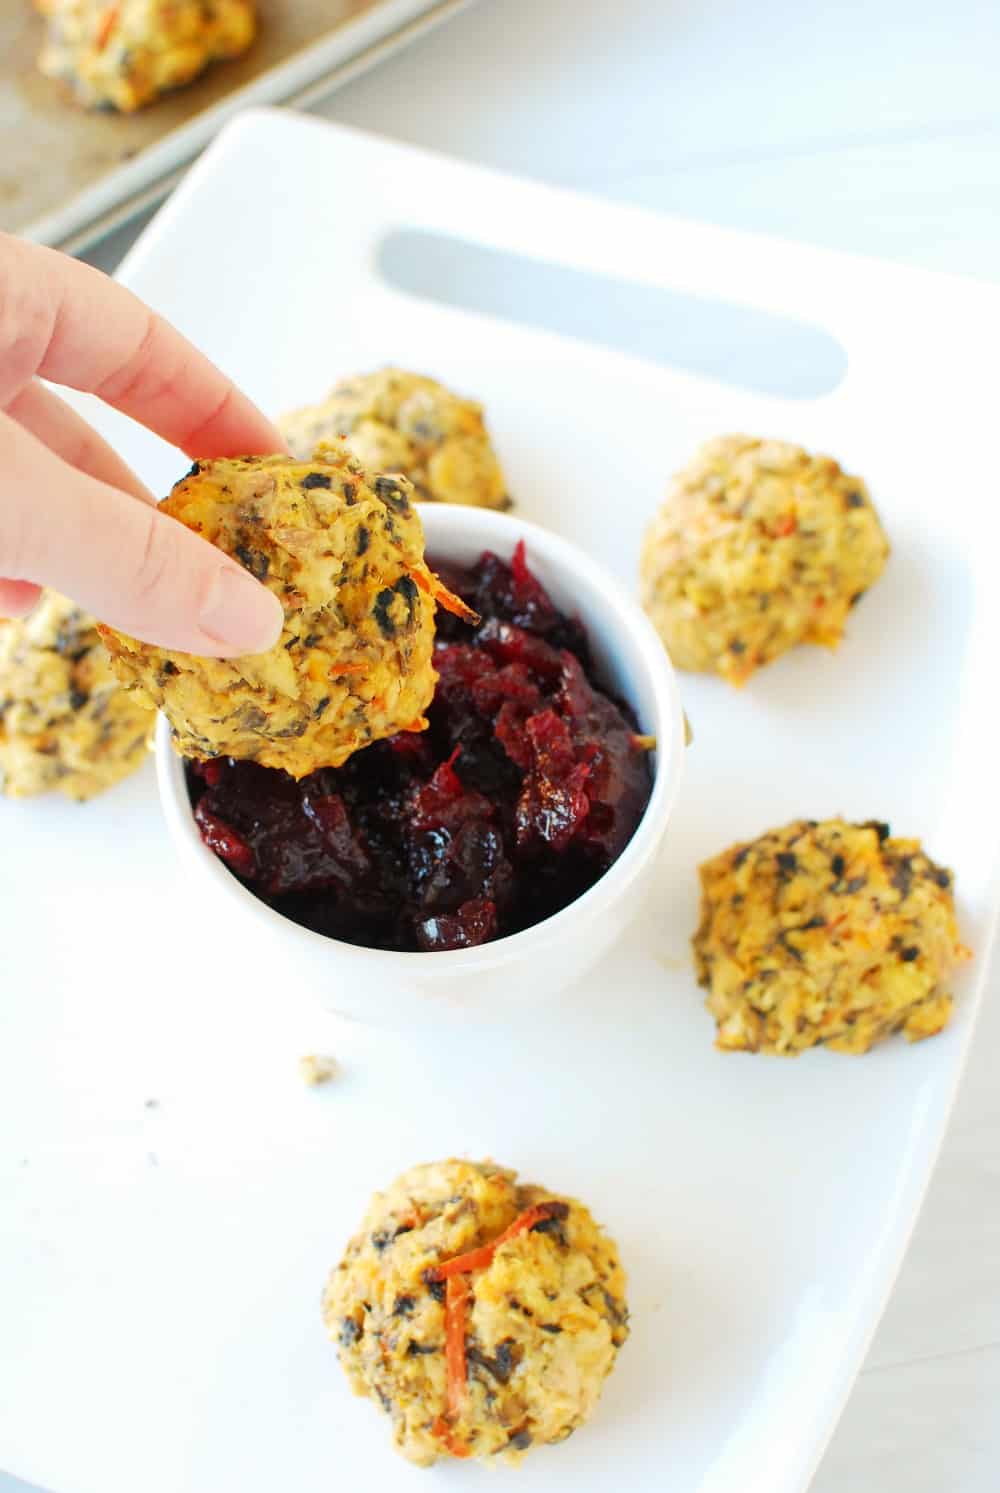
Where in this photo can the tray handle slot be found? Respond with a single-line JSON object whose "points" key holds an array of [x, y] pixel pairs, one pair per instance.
{"points": [[732, 343]]}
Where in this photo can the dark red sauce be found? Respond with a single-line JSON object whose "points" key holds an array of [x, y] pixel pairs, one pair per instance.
{"points": [[527, 785]]}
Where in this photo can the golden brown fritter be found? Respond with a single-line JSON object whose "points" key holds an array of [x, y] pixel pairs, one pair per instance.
{"points": [[65, 722], [828, 933], [122, 54], [757, 547], [533, 1324], [395, 421], [353, 662]]}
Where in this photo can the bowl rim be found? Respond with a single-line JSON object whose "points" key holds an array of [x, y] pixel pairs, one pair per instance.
{"points": [[637, 637]]}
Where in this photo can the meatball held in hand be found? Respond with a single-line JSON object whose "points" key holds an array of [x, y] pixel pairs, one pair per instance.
{"points": [[759, 546], [344, 554], [483, 1315]]}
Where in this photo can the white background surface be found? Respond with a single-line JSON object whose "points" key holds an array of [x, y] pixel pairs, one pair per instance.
{"points": [[869, 126]]}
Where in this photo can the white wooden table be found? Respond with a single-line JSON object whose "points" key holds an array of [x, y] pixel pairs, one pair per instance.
{"points": [[872, 125]]}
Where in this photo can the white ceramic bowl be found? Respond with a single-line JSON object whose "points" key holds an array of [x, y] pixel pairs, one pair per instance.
{"points": [[393, 989]]}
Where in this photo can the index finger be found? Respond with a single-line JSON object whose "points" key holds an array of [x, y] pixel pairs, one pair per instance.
{"points": [[66, 322]]}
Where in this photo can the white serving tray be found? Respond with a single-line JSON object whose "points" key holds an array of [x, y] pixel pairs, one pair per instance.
{"points": [[161, 1265]]}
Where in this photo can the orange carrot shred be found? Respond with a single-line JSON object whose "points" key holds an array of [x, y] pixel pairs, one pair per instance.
{"points": [[456, 1302], [107, 24], [454, 604], [336, 671], [456, 1305], [479, 1259], [448, 1438], [429, 583], [784, 526]]}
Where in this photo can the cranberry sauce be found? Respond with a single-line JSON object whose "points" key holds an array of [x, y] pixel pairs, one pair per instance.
{"points": [[528, 783]]}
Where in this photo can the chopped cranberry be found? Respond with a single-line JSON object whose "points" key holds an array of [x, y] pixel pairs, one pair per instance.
{"points": [[298, 839], [225, 842], [409, 747], [474, 923], [211, 772], [524, 789], [553, 806], [449, 867], [510, 644], [443, 802], [510, 730], [513, 592]]}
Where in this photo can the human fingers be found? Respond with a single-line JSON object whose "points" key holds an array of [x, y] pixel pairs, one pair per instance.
{"points": [[67, 434], [65, 321], [17, 598], [61, 429], [131, 565]]}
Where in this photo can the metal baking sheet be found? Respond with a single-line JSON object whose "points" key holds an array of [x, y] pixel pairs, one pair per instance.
{"points": [[68, 175]]}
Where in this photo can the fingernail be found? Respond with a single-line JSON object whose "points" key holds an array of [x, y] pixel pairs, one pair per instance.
{"points": [[240, 614], [18, 599]]}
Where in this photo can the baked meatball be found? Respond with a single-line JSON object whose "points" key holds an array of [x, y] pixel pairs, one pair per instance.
{"points": [[401, 422], [757, 547], [345, 556], [122, 54], [483, 1315], [829, 933], [65, 722]]}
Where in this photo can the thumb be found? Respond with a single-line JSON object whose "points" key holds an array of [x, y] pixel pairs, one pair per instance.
{"points": [[135, 568]]}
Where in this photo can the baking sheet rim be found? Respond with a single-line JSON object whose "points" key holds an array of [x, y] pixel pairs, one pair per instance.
{"points": [[309, 75]]}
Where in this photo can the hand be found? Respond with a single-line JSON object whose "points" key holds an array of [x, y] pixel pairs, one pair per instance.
{"points": [[72, 515]]}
